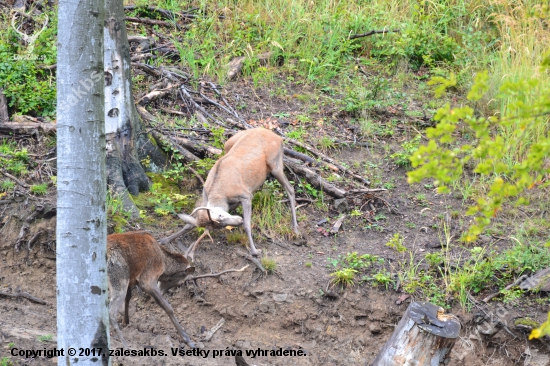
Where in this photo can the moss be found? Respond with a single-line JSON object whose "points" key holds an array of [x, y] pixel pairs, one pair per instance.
{"points": [[528, 322]]}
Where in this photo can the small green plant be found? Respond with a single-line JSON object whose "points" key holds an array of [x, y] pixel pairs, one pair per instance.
{"points": [[5, 361], [434, 259], [6, 185], [344, 277], [45, 338], [410, 225], [402, 157], [269, 264], [39, 189], [396, 243], [11, 345], [356, 213], [308, 264], [236, 237], [383, 278]]}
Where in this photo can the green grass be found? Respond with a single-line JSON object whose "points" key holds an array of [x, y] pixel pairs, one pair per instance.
{"points": [[269, 264], [39, 189]]}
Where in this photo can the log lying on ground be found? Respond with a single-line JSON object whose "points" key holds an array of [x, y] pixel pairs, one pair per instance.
{"points": [[22, 128], [424, 336], [315, 179]]}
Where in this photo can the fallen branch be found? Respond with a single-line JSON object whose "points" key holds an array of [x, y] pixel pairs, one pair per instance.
{"points": [[315, 180], [307, 159], [25, 295], [515, 283], [21, 183], [253, 260], [326, 158], [217, 275], [185, 93], [147, 98], [4, 116], [355, 36], [25, 229], [21, 128], [208, 336], [365, 190], [187, 155], [150, 21]]}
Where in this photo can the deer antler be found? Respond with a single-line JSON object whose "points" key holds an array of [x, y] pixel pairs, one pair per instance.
{"points": [[29, 40]]}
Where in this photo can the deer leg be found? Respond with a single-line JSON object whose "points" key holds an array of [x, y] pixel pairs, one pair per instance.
{"points": [[247, 215], [279, 174], [154, 291], [190, 253], [126, 305], [117, 297]]}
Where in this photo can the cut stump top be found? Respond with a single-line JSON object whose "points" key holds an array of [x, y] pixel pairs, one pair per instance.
{"points": [[432, 318]]}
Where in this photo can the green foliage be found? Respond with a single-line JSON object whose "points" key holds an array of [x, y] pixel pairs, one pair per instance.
{"points": [[344, 277], [6, 185], [269, 213], [383, 278], [45, 338], [5, 361], [269, 264], [510, 150], [116, 212], [396, 243], [28, 89], [39, 189], [402, 157]]}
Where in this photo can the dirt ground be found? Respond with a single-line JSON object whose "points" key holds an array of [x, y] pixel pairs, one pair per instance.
{"points": [[293, 308]]}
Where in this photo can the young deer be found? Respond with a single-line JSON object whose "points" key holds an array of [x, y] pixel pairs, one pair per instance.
{"points": [[249, 157], [135, 258]]}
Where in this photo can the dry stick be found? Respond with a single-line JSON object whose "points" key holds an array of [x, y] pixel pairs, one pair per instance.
{"points": [[308, 159], [374, 32], [156, 94], [197, 146], [326, 158], [253, 260], [234, 112], [4, 116], [515, 283], [24, 229], [22, 184], [217, 275], [316, 180], [25, 295], [184, 92], [150, 21], [365, 190], [208, 336], [187, 155]]}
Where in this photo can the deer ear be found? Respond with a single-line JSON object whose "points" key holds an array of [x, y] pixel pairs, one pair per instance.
{"points": [[188, 219], [189, 270]]}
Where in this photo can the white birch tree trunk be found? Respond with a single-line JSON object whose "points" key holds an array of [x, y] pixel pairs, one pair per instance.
{"points": [[82, 314], [126, 141]]}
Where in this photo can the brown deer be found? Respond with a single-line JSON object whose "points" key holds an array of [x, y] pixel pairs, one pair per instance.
{"points": [[136, 258], [249, 157]]}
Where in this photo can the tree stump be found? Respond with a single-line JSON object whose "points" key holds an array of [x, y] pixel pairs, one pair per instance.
{"points": [[424, 337]]}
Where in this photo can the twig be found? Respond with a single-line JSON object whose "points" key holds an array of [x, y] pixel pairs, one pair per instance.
{"points": [[208, 336], [184, 92], [515, 283], [217, 275], [326, 158], [365, 190], [253, 260], [355, 36], [25, 295], [150, 21], [21, 183]]}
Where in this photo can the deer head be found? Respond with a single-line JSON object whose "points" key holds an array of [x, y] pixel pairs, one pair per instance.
{"points": [[29, 39]]}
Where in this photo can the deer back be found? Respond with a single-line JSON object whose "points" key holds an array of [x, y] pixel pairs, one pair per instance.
{"points": [[245, 166], [140, 251]]}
